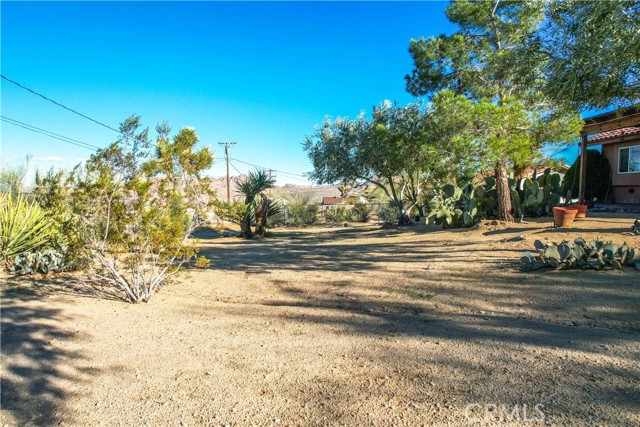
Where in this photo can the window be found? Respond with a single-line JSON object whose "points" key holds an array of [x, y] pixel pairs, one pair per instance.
{"points": [[629, 159]]}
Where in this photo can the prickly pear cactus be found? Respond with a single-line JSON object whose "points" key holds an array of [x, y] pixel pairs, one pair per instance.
{"points": [[540, 194], [595, 255], [38, 262]]}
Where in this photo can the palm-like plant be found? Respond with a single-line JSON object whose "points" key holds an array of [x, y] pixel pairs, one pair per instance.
{"points": [[257, 203]]}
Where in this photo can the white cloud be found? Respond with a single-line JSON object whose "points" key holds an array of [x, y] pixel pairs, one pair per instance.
{"points": [[49, 159]]}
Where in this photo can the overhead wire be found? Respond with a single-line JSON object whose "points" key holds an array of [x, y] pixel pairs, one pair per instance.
{"points": [[49, 133], [275, 170], [59, 104]]}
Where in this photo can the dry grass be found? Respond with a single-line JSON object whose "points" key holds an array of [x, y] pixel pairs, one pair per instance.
{"points": [[335, 326]]}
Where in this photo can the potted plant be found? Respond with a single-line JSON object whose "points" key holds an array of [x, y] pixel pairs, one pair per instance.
{"points": [[582, 210], [564, 216]]}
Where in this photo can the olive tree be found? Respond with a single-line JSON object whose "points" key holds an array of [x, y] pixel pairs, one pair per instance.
{"points": [[400, 150]]}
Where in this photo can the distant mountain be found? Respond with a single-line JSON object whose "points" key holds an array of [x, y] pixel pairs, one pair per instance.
{"points": [[318, 191]]}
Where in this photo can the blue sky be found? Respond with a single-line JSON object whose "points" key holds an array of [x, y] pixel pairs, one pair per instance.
{"points": [[261, 74]]}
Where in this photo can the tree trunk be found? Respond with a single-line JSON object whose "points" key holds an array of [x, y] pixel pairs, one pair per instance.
{"points": [[504, 192], [261, 219], [245, 227]]}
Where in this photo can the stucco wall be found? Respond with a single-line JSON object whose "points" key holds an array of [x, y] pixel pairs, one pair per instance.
{"points": [[626, 186]]}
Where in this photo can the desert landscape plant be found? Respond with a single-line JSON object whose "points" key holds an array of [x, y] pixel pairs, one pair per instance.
{"points": [[595, 254], [24, 226], [257, 206], [360, 212], [136, 205], [489, 61], [302, 209]]}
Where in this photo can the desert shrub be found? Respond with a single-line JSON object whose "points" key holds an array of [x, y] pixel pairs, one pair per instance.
{"points": [[24, 226], [302, 209], [360, 212], [598, 177], [388, 212], [136, 208], [12, 176], [337, 213], [52, 194]]}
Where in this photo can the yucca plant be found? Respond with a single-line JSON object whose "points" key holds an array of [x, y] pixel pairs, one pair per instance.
{"points": [[24, 226], [253, 188]]}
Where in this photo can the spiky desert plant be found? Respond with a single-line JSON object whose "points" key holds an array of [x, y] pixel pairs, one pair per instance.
{"points": [[24, 226], [253, 188]]}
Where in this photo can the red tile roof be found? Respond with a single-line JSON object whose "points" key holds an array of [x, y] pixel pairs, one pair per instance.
{"points": [[614, 134]]}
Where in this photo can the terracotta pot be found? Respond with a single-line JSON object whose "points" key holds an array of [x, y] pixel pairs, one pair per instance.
{"points": [[563, 217], [582, 210]]}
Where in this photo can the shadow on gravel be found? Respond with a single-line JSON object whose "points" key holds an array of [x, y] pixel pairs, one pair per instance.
{"points": [[34, 365]]}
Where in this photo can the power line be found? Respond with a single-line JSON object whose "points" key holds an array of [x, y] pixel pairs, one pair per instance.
{"points": [[59, 104], [49, 133], [275, 170], [236, 169]]}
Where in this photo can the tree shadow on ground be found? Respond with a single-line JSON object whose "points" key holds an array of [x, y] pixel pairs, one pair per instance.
{"points": [[71, 284], [36, 365]]}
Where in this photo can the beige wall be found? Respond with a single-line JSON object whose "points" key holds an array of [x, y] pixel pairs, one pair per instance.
{"points": [[626, 186]]}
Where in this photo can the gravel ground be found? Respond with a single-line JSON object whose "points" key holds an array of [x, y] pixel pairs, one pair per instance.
{"points": [[345, 326]]}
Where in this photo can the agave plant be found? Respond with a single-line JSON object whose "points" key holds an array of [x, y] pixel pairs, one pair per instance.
{"points": [[24, 226]]}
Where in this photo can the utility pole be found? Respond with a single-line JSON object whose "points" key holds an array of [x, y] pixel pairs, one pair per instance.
{"points": [[226, 153]]}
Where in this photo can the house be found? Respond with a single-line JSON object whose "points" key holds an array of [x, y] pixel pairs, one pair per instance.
{"points": [[618, 132], [327, 201]]}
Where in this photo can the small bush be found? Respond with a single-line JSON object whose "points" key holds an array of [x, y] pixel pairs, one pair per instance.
{"points": [[202, 262], [24, 226], [337, 213], [51, 193], [302, 209], [360, 212], [388, 213]]}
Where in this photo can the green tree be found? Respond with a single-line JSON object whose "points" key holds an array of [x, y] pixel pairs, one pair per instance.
{"points": [[593, 51], [136, 207], [397, 149], [489, 60]]}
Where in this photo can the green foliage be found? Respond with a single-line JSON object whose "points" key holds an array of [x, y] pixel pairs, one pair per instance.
{"points": [[257, 204], [360, 212], [539, 195], [202, 262], [595, 255], [452, 208], [400, 150], [490, 60], [24, 226], [576, 30], [597, 180], [337, 214], [388, 213], [302, 209], [38, 262], [52, 194], [136, 206]]}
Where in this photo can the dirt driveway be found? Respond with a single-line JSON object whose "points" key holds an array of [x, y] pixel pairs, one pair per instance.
{"points": [[348, 326]]}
